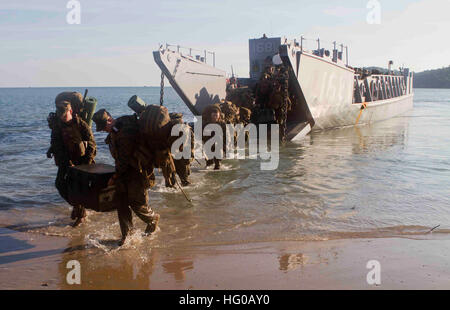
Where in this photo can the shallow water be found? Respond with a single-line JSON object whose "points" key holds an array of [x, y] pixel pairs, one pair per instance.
{"points": [[387, 179]]}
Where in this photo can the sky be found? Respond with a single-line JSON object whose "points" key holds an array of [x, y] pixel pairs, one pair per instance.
{"points": [[113, 44]]}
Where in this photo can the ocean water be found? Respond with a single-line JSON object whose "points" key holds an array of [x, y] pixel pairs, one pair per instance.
{"points": [[386, 179]]}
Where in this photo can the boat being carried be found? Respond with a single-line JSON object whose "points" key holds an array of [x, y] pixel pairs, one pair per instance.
{"points": [[324, 90]]}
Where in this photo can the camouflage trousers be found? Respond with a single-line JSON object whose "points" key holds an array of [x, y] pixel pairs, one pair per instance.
{"points": [[214, 161], [62, 185], [281, 116], [183, 169], [132, 194]]}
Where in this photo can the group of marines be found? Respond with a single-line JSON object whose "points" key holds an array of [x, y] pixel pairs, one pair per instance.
{"points": [[73, 143]]}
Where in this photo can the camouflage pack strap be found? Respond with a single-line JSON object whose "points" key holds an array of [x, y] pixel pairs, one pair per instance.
{"points": [[161, 98]]}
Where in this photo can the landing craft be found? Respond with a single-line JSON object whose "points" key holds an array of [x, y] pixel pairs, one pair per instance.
{"points": [[327, 92]]}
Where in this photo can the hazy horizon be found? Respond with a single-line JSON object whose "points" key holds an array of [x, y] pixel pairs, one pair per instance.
{"points": [[112, 46]]}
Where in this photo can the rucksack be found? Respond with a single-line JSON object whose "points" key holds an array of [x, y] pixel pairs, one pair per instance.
{"points": [[152, 121], [87, 113], [155, 140]]}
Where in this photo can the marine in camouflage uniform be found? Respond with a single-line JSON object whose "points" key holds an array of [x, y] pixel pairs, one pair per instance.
{"points": [[76, 102], [72, 143], [131, 183], [282, 81], [264, 88], [158, 148], [207, 119], [244, 116], [230, 115], [183, 165]]}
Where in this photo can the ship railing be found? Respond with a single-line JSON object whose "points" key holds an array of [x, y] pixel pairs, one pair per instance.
{"points": [[335, 54], [187, 51], [379, 87]]}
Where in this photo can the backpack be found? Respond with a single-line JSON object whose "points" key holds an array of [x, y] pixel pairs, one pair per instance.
{"points": [[153, 120], [155, 127], [87, 113], [230, 110]]}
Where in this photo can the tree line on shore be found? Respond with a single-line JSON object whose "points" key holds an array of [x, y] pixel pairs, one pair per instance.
{"points": [[436, 78]]}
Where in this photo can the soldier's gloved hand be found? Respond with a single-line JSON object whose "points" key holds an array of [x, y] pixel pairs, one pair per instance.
{"points": [[49, 154]]}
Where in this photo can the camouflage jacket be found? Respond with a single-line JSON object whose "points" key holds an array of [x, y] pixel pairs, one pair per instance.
{"points": [[123, 142], [73, 143]]}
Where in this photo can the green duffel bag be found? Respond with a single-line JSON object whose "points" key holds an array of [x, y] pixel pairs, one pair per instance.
{"points": [[89, 109], [137, 104]]}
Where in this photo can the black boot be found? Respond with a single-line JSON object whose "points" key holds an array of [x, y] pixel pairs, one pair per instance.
{"points": [[73, 215], [78, 214], [217, 164], [78, 222], [122, 241], [185, 182], [152, 226]]}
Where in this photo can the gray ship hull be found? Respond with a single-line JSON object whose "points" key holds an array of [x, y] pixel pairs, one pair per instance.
{"points": [[324, 87], [328, 89]]}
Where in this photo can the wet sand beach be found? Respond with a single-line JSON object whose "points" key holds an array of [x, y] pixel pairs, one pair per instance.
{"points": [[30, 261]]}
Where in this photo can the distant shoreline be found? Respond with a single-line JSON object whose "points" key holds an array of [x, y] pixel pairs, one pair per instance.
{"points": [[436, 78]]}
